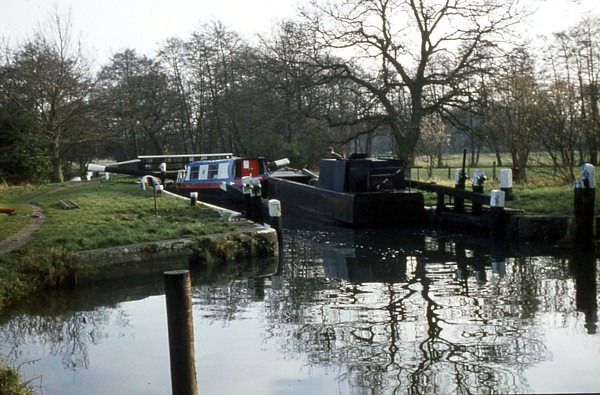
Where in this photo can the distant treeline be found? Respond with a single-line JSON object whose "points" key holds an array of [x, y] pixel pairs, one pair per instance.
{"points": [[330, 77]]}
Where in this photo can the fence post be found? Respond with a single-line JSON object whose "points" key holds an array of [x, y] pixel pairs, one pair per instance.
{"points": [[584, 201], [178, 295]]}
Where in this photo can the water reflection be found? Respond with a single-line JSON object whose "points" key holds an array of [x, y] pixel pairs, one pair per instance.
{"points": [[390, 311]]}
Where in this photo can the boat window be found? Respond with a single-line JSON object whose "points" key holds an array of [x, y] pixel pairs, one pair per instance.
{"points": [[194, 171], [224, 170], [213, 171]]}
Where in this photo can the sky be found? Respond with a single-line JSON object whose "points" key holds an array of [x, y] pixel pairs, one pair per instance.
{"points": [[109, 26]]}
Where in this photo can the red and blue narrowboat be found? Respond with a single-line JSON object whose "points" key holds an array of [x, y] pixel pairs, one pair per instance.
{"points": [[218, 178]]}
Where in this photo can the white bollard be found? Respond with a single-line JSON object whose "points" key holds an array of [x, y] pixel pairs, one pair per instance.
{"points": [[274, 208], [588, 176], [193, 198], [478, 178], [457, 173], [497, 198], [506, 183], [506, 180], [275, 216]]}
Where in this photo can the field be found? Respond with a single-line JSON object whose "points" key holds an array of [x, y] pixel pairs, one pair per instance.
{"points": [[544, 193]]}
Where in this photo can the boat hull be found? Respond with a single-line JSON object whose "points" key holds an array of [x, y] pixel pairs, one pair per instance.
{"points": [[232, 198], [354, 209]]}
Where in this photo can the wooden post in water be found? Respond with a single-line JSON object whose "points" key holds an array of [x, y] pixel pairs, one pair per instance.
{"points": [[584, 201], [583, 267], [178, 293]]}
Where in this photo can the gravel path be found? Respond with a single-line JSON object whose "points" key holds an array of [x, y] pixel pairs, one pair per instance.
{"points": [[20, 238]]}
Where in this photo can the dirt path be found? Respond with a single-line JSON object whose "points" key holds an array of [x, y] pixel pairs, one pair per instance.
{"points": [[20, 238]]}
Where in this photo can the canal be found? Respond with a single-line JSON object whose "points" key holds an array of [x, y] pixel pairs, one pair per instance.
{"points": [[387, 311]]}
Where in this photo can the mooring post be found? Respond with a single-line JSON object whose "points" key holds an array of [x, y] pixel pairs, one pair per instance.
{"points": [[193, 198], [459, 203], [478, 181], [275, 216], [155, 189], [178, 294], [497, 217], [584, 202], [256, 200], [247, 190], [506, 183], [163, 172], [441, 203]]}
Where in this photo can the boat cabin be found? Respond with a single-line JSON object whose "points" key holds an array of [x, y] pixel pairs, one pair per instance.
{"points": [[360, 174], [211, 173]]}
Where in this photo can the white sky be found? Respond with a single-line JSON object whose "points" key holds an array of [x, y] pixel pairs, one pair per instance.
{"points": [[108, 26]]}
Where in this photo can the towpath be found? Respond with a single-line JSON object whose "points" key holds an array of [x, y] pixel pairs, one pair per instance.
{"points": [[20, 238]]}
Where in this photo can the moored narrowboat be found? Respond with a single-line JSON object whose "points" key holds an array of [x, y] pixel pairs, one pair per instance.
{"points": [[359, 191], [220, 180]]}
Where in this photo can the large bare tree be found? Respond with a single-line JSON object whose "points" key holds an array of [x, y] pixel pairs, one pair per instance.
{"points": [[420, 52]]}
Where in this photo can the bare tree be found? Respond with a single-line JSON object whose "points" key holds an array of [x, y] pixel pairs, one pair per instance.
{"points": [[513, 112], [48, 79], [422, 52], [433, 136]]}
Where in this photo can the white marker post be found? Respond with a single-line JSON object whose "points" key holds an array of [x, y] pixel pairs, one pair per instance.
{"points": [[497, 217], [506, 183]]}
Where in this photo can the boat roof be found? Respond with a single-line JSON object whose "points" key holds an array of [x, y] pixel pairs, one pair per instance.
{"points": [[189, 156], [221, 160]]}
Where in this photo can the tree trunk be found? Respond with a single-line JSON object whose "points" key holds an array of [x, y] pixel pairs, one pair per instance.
{"points": [[57, 171]]}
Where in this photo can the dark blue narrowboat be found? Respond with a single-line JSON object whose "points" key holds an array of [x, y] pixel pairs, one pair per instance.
{"points": [[359, 191]]}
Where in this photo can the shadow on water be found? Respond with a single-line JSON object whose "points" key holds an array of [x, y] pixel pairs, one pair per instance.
{"points": [[392, 310]]}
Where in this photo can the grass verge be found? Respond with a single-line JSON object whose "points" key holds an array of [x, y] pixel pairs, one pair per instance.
{"points": [[12, 383], [111, 213], [544, 199]]}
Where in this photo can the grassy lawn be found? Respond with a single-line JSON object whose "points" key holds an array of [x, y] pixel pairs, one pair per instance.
{"points": [[111, 213]]}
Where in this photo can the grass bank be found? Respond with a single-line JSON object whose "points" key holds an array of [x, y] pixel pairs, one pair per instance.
{"points": [[544, 196], [111, 213], [11, 382]]}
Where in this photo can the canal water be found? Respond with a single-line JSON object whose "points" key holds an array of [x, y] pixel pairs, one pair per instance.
{"points": [[388, 311]]}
